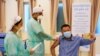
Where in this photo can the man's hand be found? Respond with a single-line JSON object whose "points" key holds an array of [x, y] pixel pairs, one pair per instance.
{"points": [[92, 37], [89, 36]]}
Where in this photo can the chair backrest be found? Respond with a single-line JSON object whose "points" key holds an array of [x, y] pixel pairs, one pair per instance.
{"points": [[2, 36]]}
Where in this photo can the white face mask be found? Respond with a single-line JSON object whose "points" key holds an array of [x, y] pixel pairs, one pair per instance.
{"points": [[67, 34]]}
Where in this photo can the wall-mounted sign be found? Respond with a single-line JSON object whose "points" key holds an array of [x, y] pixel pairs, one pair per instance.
{"points": [[81, 19]]}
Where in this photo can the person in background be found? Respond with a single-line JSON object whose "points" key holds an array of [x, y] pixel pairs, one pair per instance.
{"points": [[36, 33], [13, 43], [69, 44]]}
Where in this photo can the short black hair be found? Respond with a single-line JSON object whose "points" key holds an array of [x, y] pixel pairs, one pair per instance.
{"points": [[65, 25]]}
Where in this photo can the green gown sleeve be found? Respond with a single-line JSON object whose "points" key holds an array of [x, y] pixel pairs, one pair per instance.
{"points": [[45, 36]]}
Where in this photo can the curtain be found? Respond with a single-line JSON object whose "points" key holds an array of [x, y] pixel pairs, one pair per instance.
{"points": [[20, 8], [2, 16], [67, 10], [20, 4], [33, 4], [94, 17], [54, 11]]}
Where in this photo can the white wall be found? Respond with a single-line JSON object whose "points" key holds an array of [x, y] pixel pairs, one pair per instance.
{"points": [[11, 12]]}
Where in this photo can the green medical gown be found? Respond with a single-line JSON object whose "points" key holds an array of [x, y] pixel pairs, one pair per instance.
{"points": [[14, 46], [36, 35]]}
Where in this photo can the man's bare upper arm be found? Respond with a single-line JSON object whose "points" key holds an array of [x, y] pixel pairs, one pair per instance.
{"points": [[55, 44]]}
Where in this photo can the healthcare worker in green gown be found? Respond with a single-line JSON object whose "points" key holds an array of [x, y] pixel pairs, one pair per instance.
{"points": [[13, 44], [36, 33]]}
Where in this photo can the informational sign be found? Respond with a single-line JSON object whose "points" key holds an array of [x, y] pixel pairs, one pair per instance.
{"points": [[81, 19]]}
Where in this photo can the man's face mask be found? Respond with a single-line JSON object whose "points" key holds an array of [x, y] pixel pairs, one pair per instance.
{"points": [[67, 34]]}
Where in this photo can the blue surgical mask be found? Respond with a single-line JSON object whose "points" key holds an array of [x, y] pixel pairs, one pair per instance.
{"points": [[67, 34]]}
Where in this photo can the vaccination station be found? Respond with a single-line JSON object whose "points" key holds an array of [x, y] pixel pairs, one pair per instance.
{"points": [[49, 27]]}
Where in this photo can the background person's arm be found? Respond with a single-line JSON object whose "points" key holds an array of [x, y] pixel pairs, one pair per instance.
{"points": [[55, 44]]}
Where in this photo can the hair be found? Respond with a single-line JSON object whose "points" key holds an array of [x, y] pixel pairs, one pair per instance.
{"points": [[18, 22], [65, 25], [40, 13]]}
